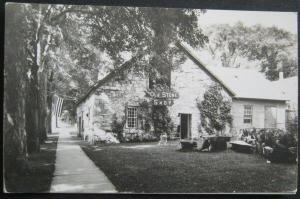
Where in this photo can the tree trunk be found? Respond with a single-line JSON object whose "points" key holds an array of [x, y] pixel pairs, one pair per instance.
{"points": [[50, 101], [15, 149], [32, 113], [49, 114], [14, 134], [43, 106]]}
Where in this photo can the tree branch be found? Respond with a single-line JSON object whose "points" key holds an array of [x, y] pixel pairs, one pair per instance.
{"points": [[56, 18]]}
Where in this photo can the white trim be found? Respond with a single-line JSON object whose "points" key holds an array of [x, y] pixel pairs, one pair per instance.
{"points": [[135, 117]]}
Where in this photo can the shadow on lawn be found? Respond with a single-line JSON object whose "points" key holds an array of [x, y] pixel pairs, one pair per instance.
{"points": [[37, 175], [172, 170], [202, 151]]}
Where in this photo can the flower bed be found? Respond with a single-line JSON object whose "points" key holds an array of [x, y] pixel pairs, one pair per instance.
{"points": [[139, 136]]}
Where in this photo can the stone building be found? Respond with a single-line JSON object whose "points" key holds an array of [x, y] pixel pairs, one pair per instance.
{"points": [[255, 102]]}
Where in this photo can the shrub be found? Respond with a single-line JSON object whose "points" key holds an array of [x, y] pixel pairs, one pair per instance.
{"points": [[214, 111], [140, 136], [156, 116], [144, 114], [292, 127], [162, 120], [117, 126]]}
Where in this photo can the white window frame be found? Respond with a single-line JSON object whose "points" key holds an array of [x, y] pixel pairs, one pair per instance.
{"points": [[248, 114], [132, 117]]}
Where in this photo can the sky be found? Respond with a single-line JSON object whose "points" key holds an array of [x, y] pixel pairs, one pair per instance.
{"points": [[284, 20]]}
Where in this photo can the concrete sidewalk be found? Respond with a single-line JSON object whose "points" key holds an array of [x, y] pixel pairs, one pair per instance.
{"points": [[74, 171]]}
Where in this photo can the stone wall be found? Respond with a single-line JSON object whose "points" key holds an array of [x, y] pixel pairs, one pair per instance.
{"points": [[120, 95], [190, 82], [112, 98], [84, 110]]}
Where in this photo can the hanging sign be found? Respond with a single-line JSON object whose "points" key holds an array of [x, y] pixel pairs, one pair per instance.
{"points": [[164, 95], [163, 98]]}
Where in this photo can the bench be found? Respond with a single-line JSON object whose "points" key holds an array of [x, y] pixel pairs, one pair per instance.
{"points": [[242, 146], [215, 143], [188, 144]]}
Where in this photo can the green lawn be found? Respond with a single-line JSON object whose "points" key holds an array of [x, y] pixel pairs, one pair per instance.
{"points": [[39, 172], [151, 168]]}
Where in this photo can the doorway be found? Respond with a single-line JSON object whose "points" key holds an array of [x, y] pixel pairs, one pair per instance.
{"points": [[185, 125]]}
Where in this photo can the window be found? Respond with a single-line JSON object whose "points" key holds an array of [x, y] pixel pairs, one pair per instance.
{"points": [[132, 117], [247, 114]]}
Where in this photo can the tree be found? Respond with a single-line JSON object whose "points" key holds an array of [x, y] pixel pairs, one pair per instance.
{"points": [[116, 30], [39, 37], [146, 32], [111, 31], [14, 134], [33, 45], [43, 38], [270, 48], [49, 35], [214, 111]]}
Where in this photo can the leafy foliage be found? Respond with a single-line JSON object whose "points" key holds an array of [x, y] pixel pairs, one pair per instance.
{"points": [[162, 120], [214, 110], [140, 30], [157, 117], [97, 38], [270, 48], [62, 51], [292, 126], [145, 115], [117, 126]]}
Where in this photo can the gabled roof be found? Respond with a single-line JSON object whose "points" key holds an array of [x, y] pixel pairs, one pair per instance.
{"points": [[108, 77], [249, 84], [241, 83], [197, 61]]}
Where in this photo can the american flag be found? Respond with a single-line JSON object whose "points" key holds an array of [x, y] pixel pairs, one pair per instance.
{"points": [[58, 106]]}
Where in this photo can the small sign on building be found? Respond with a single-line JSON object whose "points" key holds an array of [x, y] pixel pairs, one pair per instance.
{"points": [[163, 98], [163, 102]]}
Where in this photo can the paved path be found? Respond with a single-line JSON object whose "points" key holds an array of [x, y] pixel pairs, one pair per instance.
{"points": [[74, 171]]}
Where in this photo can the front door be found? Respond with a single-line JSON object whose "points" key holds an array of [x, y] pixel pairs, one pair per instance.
{"points": [[270, 117], [185, 125]]}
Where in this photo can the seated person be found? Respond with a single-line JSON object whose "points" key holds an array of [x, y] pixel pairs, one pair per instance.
{"points": [[205, 145], [283, 149]]}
